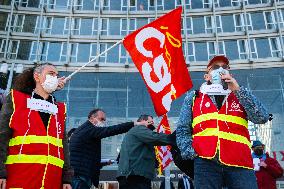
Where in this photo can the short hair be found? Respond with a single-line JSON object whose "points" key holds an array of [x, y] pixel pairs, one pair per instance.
{"points": [[144, 117], [94, 112], [40, 67]]}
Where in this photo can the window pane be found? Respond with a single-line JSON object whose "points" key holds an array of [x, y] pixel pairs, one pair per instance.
{"points": [[24, 50], [231, 49], [197, 4], [228, 23], [114, 26], [29, 24], [115, 5], [112, 55], [263, 49], [86, 27], [57, 26], [198, 25], [257, 20], [83, 53], [3, 19], [54, 51], [201, 51]]}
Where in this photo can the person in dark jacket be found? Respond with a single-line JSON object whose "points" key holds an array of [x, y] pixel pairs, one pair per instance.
{"points": [[136, 166], [85, 148], [268, 169], [185, 182]]}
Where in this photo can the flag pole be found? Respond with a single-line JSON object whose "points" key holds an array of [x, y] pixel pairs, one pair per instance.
{"points": [[79, 69]]}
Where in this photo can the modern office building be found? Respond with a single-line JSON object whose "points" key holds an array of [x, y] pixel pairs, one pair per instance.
{"points": [[69, 33]]}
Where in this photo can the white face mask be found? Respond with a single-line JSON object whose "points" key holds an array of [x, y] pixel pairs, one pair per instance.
{"points": [[50, 84], [216, 75], [100, 124]]}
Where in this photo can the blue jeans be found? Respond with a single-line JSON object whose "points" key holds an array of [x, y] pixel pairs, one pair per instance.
{"points": [[209, 174], [81, 182]]}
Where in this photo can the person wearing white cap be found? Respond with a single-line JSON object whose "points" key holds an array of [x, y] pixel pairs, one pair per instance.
{"points": [[213, 129]]}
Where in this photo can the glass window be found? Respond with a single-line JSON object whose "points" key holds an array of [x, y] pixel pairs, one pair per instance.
{"points": [[191, 52], [93, 51], [113, 54], [207, 3], [160, 4], [115, 4], [63, 4], [29, 24], [24, 50], [47, 25], [275, 47], [225, 3], [208, 24], [105, 24], [198, 25], [189, 25], [132, 25], [67, 25], [132, 5], [102, 58], [281, 17], [114, 25], [122, 55], [13, 49], [253, 50], [74, 52], [57, 25], [86, 26], [3, 20], [258, 1], [124, 5], [95, 26], [106, 4], [151, 5], [218, 24], [83, 52], [142, 5], [123, 27], [169, 5], [269, 17], [54, 51], [76, 25], [140, 22], [2, 47], [90, 4], [17, 22], [78, 5], [231, 48], [5, 2], [263, 49], [197, 4], [236, 3], [33, 51], [63, 52], [243, 49], [43, 50], [228, 23], [257, 20], [211, 49], [201, 51]]}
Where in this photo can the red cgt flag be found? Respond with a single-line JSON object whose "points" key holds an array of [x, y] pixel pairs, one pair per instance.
{"points": [[156, 50], [163, 153]]}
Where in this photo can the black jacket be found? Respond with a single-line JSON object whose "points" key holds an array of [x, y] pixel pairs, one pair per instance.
{"points": [[85, 148]]}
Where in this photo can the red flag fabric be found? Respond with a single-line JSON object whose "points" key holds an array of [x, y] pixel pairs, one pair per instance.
{"points": [[163, 153], [156, 50]]}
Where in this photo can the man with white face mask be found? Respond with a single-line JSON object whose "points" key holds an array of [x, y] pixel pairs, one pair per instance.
{"points": [[85, 147], [33, 145], [213, 129]]}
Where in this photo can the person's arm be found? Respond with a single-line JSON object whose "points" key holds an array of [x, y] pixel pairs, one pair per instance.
{"points": [[273, 168], [95, 132], [148, 136], [255, 110], [184, 128], [67, 173], [5, 134]]}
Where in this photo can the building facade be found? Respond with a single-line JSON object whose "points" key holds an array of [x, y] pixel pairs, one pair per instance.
{"points": [[69, 33]]}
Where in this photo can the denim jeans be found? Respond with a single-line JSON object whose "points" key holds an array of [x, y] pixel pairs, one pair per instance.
{"points": [[208, 174], [81, 182]]}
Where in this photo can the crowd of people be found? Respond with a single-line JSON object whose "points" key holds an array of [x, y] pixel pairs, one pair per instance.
{"points": [[211, 143]]}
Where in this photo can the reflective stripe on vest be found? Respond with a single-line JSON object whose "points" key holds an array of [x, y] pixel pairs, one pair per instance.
{"points": [[219, 117], [40, 159], [224, 135], [33, 139]]}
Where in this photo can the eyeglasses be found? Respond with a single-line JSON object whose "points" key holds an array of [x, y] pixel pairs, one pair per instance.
{"points": [[215, 67]]}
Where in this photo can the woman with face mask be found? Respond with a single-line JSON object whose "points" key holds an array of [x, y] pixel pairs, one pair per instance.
{"points": [[32, 132]]}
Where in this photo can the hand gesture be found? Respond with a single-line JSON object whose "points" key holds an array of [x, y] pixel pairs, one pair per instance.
{"points": [[232, 83], [2, 183], [61, 83]]}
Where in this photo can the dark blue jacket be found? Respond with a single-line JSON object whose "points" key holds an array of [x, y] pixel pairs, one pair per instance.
{"points": [[85, 148]]}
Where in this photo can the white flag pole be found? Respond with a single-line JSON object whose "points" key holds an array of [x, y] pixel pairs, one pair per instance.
{"points": [[76, 71]]}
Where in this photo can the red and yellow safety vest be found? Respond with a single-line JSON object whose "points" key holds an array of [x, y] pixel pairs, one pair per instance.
{"points": [[35, 155], [225, 131]]}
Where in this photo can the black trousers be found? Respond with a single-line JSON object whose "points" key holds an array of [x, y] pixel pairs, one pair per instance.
{"points": [[134, 182]]}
